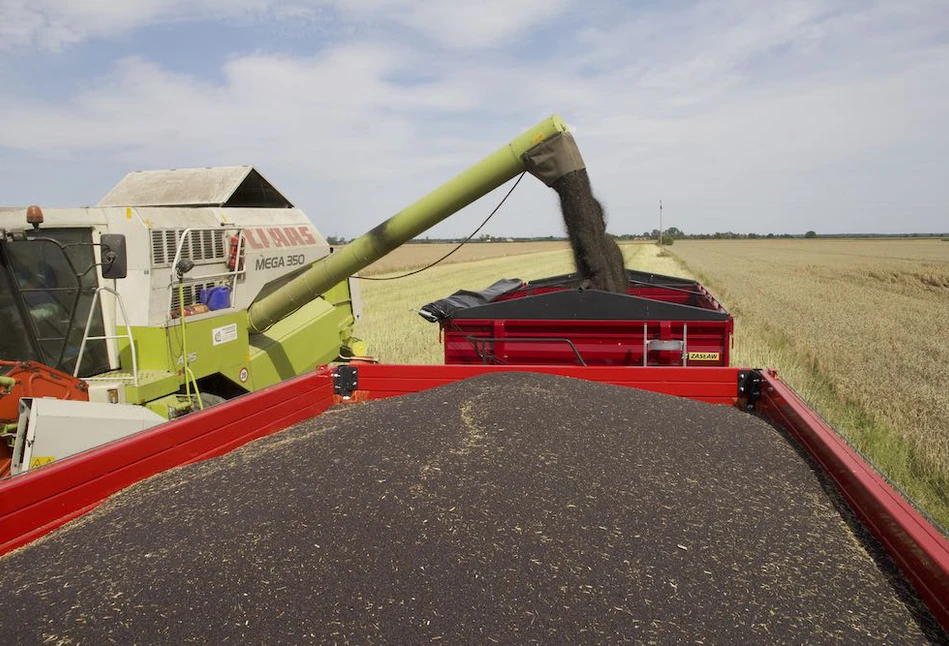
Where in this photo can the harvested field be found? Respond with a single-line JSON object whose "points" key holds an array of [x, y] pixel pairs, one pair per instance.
{"points": [[413, 256], [507, 508]]}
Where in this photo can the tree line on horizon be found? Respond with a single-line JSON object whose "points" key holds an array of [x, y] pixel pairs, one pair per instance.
{"points": [[670, 234]]}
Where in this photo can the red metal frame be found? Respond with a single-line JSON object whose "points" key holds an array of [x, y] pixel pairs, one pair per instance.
{"points": [[618, 343], [713, 385], [36, 503]]}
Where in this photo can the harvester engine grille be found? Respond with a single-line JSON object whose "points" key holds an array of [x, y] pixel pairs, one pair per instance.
{"points": [[202, 246]]}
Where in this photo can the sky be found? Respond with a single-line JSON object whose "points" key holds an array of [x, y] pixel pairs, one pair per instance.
{"points": [[743, 116]]}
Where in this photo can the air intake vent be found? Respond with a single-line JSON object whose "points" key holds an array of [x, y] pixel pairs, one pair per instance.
{"points": [[202, 246]]}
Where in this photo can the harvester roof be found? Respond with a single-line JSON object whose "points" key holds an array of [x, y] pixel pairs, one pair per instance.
{"points": [[231, 186]]}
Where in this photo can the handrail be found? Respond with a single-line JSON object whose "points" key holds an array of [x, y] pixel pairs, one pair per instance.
{"points": [[482, 353], [107, 337]]}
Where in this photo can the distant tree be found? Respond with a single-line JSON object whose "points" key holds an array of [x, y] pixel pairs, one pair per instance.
{"points": [[810, 234], [336, 240], [667, 240]]}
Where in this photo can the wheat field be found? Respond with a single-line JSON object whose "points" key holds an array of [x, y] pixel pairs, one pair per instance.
{"points": [[859, 327]]}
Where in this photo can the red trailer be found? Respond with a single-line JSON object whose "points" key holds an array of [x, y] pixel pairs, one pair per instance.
{"points": [[37, 502], [660, 321]]}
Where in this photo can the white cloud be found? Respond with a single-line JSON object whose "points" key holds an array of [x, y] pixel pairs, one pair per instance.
{"points": [[58, 24], [466, 24], [739, 115]]}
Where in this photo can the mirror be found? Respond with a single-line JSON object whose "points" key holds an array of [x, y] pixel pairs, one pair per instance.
{"points": [[114, 255]]}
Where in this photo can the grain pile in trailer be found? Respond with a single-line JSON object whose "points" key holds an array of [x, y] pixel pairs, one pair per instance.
{"points": [[508, 507]]}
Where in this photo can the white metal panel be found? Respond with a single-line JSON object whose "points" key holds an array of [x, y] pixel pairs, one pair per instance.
{"points": [[134, 287], [180, 187], [56, 428], [15, 218], [179, 217], [262, 216]]}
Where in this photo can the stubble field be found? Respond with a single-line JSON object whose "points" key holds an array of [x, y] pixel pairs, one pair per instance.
{"points": [[413, 256], [860, 328]]}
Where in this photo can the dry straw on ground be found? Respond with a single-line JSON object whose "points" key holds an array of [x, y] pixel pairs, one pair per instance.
{"points": [[413, 256]]}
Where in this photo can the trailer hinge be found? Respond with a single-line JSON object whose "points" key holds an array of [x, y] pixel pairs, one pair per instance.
{"points": [[749, 387], [345, 380]]}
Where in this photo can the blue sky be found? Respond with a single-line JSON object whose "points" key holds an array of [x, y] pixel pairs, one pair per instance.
{"points": [[739, 115]]}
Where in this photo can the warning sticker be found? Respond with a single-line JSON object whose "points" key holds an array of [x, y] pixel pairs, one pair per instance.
{"points": [[226, 334], [41, 460], [704, 356]]}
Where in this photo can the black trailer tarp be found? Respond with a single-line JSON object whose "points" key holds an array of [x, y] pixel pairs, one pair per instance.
{"points": [[444, 308]]}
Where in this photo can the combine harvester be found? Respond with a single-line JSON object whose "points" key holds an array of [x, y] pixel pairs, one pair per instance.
{"points": [[664, 335], [121, 316]]}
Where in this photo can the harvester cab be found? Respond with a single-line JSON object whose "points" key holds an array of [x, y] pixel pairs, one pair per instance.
{"points": [[44, 276]]}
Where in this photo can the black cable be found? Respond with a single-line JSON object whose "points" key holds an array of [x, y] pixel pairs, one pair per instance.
{"points": [[461, 244]]}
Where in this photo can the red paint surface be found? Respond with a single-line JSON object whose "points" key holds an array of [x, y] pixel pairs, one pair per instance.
{"points": [[609, 343], [599, 342], [38, 502], [33, 379]]}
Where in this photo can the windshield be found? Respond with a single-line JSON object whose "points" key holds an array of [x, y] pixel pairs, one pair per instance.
{"points": [[55, 301], [15, 342]]}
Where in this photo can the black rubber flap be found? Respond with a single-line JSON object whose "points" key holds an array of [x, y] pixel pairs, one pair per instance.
{"points": [[462, 299], [588, 305]]}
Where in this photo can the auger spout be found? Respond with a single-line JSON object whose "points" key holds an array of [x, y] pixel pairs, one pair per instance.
{"points": [[547, 151]]}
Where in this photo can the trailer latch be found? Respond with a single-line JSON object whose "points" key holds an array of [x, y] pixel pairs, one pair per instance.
{"points": [[345, 381], [749, 387]]}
